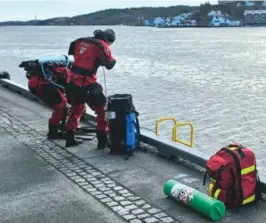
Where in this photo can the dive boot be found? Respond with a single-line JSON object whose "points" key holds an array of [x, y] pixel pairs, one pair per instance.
{"points": [[71, 141], [102, 140], [54, 133]]}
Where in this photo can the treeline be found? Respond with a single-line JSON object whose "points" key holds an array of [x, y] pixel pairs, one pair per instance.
{"points": [[128, 16], [136, 16]]}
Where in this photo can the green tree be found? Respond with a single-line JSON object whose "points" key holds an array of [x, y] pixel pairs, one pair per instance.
{"points": [[204, 9]]}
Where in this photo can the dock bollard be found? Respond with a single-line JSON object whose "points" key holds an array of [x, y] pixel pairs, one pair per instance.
{"points": [[198, 201], [4, 75]]}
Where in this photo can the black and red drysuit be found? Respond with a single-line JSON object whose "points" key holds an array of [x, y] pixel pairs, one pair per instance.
{"points": [[52, 94], [89, 54]]}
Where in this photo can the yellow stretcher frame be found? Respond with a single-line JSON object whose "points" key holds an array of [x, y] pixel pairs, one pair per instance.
{"points": [[174, 130]]}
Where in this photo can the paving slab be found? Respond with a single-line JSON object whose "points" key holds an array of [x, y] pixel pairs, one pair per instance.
{"points": [[34, 191]]}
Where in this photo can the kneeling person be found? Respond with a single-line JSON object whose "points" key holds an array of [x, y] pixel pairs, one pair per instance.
{"points": [[47, 84]]}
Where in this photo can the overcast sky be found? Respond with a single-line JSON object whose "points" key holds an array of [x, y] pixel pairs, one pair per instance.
{"points": [[26, 10]]}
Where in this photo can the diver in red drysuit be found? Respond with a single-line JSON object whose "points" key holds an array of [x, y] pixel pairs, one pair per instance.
{"points": [[89, 54], [54, 97]]}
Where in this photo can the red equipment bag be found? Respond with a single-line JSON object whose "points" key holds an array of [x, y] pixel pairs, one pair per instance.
{"points": [[233, 176]]}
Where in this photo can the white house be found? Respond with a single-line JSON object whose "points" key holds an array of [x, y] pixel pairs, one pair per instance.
{"points": [[249, 3], [222, 21], [167, 21], [158, 21], [217, 21], [215, 13], [189, 23], [254, 12], [178, 17], [232, 22], [193, 22], [185, 15], [176, 21]]}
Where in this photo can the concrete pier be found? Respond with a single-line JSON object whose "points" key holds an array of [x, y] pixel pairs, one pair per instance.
{"points": [[41, 181]]}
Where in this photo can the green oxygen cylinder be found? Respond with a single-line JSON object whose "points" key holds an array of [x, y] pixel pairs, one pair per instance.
{"points": [[198, 201]]}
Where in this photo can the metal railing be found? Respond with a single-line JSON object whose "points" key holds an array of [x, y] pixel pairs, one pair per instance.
{"points": [[174, 130]]}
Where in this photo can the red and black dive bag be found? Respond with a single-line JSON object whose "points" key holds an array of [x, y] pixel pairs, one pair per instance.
{"points": [[233, 177]]}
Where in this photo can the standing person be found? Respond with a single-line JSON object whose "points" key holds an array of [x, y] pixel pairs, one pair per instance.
{"points": [[89, 54]]}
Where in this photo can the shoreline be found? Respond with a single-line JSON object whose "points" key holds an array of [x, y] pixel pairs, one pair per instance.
{"points": [[160, 27]]}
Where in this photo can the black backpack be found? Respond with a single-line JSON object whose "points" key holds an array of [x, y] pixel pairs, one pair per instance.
{"points": [[124, 130]]}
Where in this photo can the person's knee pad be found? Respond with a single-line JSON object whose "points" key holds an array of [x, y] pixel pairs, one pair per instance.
{"points": [[51, 95], [75, 94], [95, 97]]}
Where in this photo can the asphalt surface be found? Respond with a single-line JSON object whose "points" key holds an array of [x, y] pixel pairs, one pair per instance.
{"points": [[41, 181]]}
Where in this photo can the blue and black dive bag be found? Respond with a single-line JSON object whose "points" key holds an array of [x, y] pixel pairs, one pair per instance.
{"points": [[124, 130]]}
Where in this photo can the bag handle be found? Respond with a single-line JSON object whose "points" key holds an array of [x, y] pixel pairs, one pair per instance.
{"points": [[204, 178], [239, 149]]}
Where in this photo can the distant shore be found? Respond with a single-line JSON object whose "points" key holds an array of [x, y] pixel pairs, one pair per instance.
{"points": [[179, 16], [160, 27]]}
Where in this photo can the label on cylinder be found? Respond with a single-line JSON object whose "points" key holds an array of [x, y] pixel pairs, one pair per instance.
{"points": [[182, 193]]}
